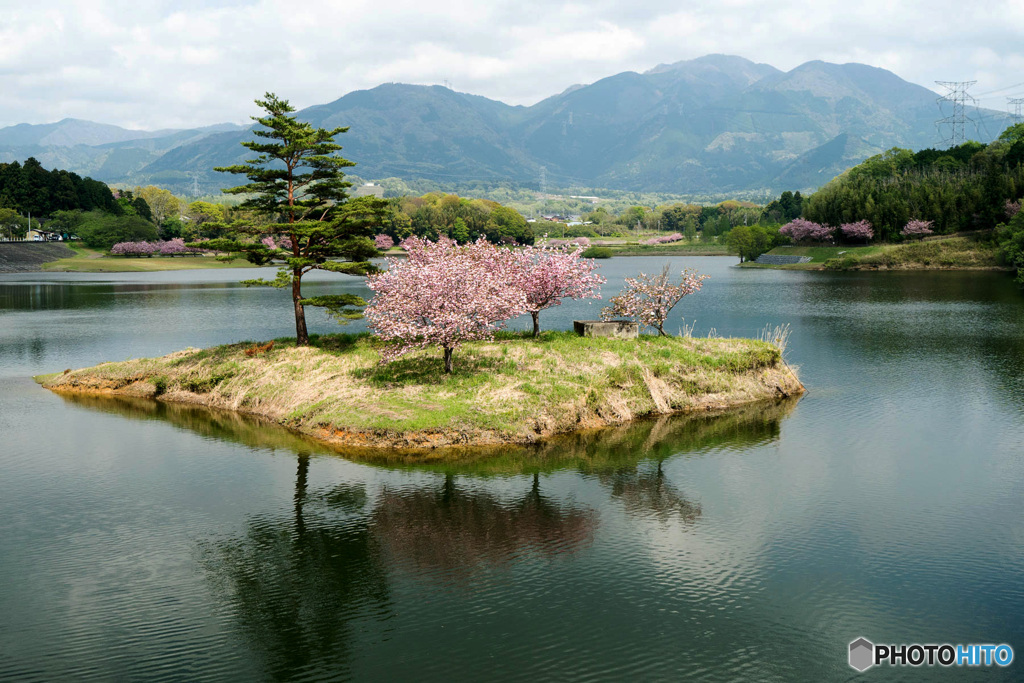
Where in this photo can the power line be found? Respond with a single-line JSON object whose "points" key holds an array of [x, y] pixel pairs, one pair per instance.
{"points": [[1009, 87], [957, 121]]}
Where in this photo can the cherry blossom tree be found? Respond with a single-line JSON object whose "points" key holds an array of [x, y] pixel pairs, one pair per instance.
{"points": [[443, 294], [801, 229], [665, 239], [549, 274], [916, 228], [383, 242], [177, 246], [650, 298], [133, 249], [861, 230]]}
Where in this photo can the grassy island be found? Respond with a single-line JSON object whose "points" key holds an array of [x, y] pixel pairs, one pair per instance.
{"points": [[513, 389]]}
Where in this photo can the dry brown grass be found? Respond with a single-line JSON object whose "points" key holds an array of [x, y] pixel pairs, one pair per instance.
{"points": [[513, 390]]}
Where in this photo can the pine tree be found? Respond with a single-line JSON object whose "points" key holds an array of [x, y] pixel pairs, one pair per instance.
{"points": [[296, 181]]}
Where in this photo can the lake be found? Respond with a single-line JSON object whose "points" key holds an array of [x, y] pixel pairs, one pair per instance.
{"points": [[145, 541]]}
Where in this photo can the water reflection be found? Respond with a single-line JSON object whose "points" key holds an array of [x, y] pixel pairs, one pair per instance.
{"points": [[46, 296], [453, 530], [296, 583], [306, 582], [591, 451], [223, 425]]}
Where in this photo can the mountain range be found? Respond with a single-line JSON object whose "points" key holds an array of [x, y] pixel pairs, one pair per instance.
{"points": [[715, 124]]}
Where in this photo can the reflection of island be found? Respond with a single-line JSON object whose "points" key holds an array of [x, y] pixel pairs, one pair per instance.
{"points": [[225, 425], [295, 582], [751, 425], [455, 530]]}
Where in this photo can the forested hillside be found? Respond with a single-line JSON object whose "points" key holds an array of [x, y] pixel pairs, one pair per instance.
{"points": [[963, 188]]}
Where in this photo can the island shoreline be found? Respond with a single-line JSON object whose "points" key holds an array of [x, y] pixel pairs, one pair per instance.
{"points": [[344, 403]]}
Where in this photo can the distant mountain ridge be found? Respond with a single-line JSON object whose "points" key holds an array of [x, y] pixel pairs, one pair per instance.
{"points": [[714, 124]]}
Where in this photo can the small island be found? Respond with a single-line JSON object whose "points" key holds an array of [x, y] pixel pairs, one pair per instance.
{"points": [[512, 389]]}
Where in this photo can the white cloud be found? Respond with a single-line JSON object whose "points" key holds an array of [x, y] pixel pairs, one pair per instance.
{"points": [[195, 62]]}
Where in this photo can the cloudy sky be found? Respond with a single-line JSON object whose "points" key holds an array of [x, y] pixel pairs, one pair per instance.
{"points": [[163, 64]]}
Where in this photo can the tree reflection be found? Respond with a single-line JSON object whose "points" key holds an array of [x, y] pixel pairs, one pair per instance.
{"points": [[297, 582], [456, 530], [648, 493]]}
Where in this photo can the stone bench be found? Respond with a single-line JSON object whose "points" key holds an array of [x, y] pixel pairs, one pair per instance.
{"points": [[622, 329]]}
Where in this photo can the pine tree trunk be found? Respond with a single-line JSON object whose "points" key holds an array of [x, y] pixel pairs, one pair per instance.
{"points": [[536, 322], [301, 335], [447, 360]]}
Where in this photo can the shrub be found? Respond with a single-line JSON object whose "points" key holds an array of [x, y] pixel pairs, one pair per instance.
{"points": [[597, 252]]}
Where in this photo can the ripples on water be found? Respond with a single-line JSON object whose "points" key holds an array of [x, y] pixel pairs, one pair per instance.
{"points": [[146, 541]]}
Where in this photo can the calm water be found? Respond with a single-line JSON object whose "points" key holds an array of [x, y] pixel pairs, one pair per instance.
{"points": [[142, 541]]}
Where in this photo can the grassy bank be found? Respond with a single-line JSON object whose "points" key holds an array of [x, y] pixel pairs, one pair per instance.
{"points": [[678, 249], [511, 390], [86, 260], [945, 253]]}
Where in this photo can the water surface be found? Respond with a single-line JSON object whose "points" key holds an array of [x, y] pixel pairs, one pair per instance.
{"points": [[144, 541]]}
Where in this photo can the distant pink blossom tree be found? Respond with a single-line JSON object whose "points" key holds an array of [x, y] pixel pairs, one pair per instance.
{"points": [[665, 239], [1012, 208], [176, 246], [861, 230], [549, 274], [133, 249], [443, 294], [916, 228], [383, 242], [281, 243], [650, 298], [800, 229]]}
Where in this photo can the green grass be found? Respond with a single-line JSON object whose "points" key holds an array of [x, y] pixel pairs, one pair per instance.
{"points": [[676, 249], [88, 260], [514, 388]]}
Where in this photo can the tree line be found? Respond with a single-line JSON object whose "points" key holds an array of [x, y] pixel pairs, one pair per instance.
{"points": [[960, 189]]}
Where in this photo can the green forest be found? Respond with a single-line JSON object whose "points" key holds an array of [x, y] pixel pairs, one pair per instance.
{"points": [[959, 189]]}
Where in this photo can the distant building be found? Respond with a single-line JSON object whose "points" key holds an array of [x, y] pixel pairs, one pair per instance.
{"points": [[35, 235]]}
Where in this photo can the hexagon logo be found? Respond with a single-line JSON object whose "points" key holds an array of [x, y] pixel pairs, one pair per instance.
{"points": [[862, 654]]}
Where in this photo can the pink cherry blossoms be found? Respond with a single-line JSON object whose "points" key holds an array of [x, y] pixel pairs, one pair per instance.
{"points": [[861, 230], [549, 274], [133, 249], [650, 298], [383, 242], [916, 228], [580, 241], [801, 229], [283, 243], [169, 248], [665, 239], [443, 295]]}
